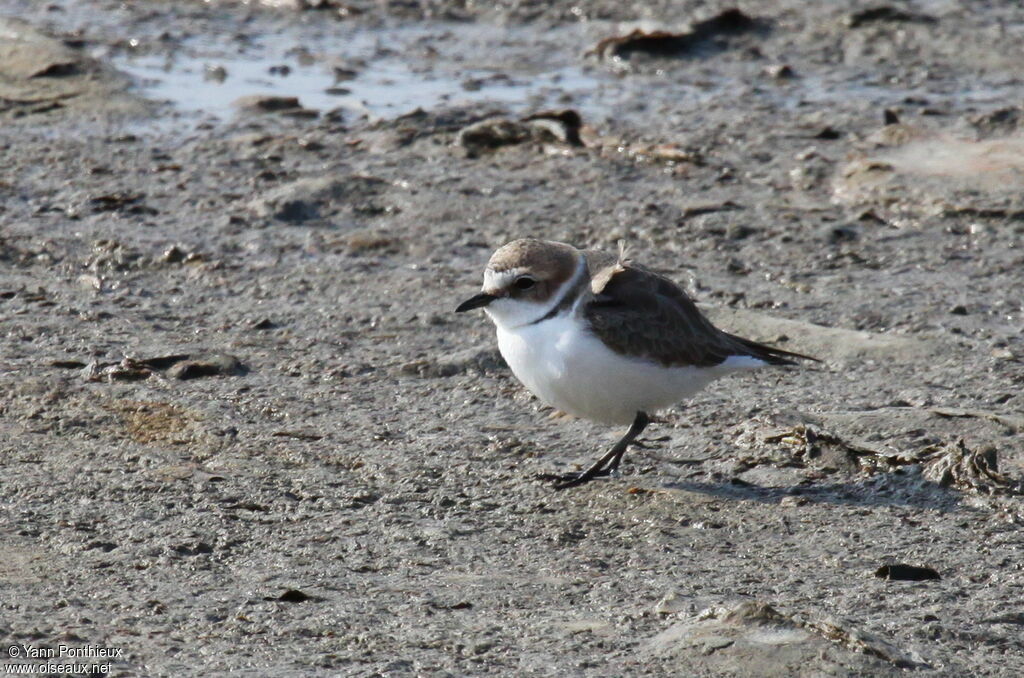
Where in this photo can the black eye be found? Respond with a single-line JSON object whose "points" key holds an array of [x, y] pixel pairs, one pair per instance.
{"points": [[524, 283]]}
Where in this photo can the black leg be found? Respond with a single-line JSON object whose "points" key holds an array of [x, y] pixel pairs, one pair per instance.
{"points": [[610, 461]]}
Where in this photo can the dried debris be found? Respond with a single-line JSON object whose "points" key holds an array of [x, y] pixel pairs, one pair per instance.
{"points": [[711, 34], [180, 366], [669, 154], [671, 603], [546, 127], [681, 158], [126, 202], [962, 468], [126, 370], [108, 256], [755, 627], [341, 9], [810, 444], [844, 634], [176, 254], [895, 133]]}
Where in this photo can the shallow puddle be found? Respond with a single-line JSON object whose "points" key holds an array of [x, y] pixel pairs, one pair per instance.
{"points": [[379, 72], [390, 68]]}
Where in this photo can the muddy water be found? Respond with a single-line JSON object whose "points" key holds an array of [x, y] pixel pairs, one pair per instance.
{"points": [[380, 72]]}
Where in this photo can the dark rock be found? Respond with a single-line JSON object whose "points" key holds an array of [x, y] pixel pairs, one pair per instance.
{"points": [[26, 54], [59, 70], [561, 126], [264, 324], [902, 572], [292, 596], [197, 549], [173, 255], [162, 362], [780, 72], [737, 231], [836, 233], [124, 201], [707, 33], [697, 209], [886, 14], [1001, 122], [211, 365], [215, 73], [461, 605], [343, 73], [68, 364], [488, 135], [263, 103], [104, 546]]}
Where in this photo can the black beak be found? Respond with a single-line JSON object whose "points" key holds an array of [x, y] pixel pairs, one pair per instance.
{"points": [[479, 301]]}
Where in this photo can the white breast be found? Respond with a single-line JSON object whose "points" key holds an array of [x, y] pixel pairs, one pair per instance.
{"points": [[572, 370]]}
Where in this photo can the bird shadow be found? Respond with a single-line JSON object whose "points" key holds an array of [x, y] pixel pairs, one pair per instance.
{"points": [[897, 488]]}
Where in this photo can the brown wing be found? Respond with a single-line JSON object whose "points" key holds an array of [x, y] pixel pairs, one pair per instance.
{"points": [[636, 311]]}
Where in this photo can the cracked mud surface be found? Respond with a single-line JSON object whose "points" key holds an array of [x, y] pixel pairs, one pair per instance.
{"points": [[242, 430]]}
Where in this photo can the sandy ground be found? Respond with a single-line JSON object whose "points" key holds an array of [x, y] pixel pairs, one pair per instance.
{"points": [[241, 430]]}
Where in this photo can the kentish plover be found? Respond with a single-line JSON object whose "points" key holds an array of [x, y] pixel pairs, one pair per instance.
{"points": [[602, 338]]}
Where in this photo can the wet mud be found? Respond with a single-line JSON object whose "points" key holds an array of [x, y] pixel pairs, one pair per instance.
{"points": [[241, 429]]}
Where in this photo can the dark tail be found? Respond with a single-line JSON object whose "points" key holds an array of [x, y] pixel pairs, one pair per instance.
{"points": [[769, 354]]}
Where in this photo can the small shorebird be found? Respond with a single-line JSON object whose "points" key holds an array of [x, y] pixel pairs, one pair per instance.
{"points": [[604, 339]]}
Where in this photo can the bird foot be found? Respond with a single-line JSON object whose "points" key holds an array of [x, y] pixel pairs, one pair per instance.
{"points": [[563, 481]]}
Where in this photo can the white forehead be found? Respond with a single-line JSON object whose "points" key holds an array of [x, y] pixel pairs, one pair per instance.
{"points": [[499, 280]]}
